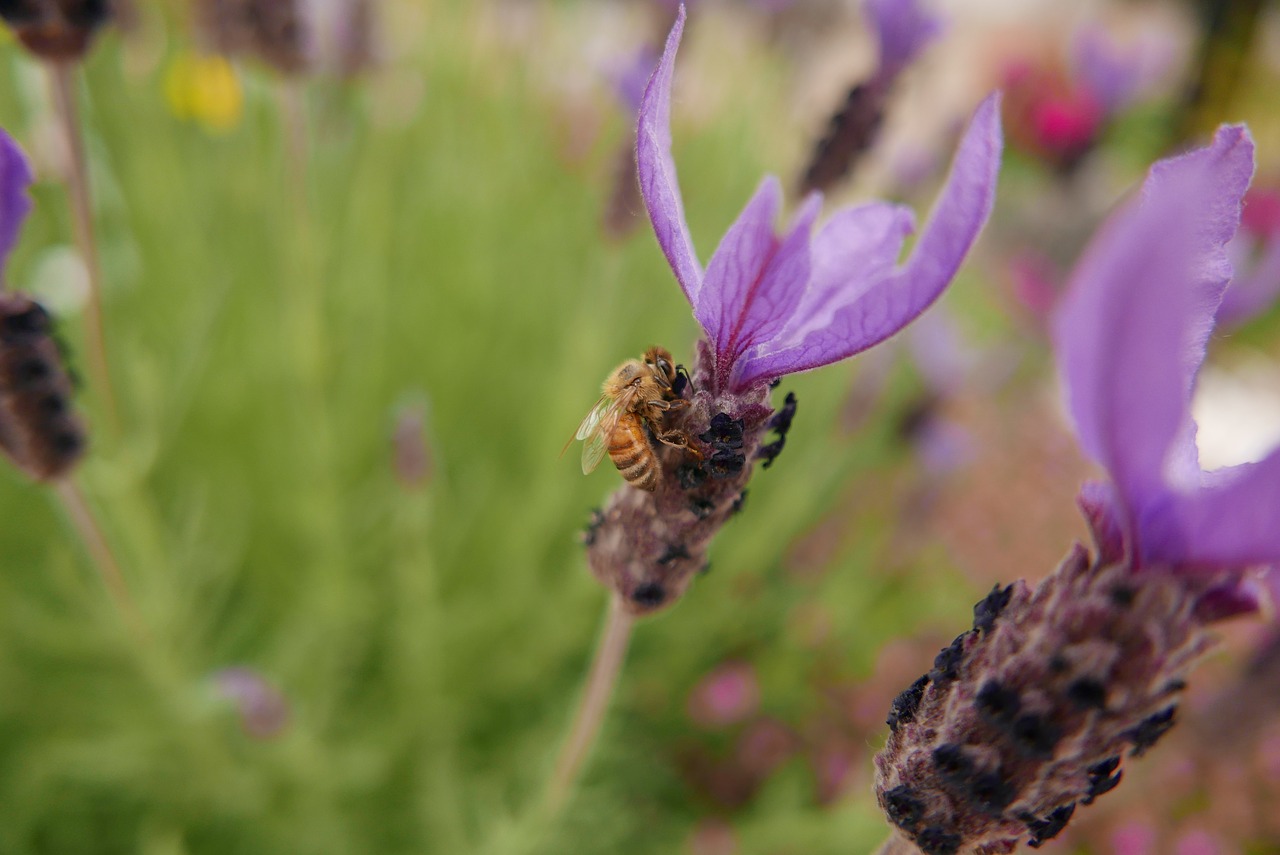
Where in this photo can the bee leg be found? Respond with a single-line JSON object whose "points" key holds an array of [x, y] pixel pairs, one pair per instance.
{"points": [[678, 439]]}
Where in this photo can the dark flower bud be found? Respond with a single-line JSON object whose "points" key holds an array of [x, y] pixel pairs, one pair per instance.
{"points": [[39, 431], [58, 30], [989, 607], [1043, 830], [904, 705]]}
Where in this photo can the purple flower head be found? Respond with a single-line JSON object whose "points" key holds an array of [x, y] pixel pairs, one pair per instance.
{"points": [[902, 28], [1130, 336], [772, 304]]}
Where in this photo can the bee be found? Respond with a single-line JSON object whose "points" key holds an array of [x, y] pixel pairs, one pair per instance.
{"points": [[634, 401]]}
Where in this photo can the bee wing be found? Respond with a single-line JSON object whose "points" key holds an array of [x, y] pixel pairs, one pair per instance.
{"points": [[597, 427], [592, 452], [593, 418]]}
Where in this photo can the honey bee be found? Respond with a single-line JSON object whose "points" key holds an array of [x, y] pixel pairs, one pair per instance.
{"points": [[634, 400]]}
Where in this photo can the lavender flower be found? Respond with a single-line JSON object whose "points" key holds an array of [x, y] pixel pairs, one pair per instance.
{"points": [[39, 432], [1029, 714], [902, 29], [770, 306]]}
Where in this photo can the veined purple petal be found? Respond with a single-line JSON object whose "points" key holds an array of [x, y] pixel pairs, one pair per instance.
{"points": [[854, 250], [902, 29], [1131, 331], [754, 281], [657, 170], [15, 204], [846, 310]]}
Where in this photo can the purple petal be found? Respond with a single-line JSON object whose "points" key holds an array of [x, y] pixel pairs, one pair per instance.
{"points": [[754, 281], [855, 302], [902, 29], [1233, 521], [15, 204], [857, 248], [1131, 331], [657, 170]]}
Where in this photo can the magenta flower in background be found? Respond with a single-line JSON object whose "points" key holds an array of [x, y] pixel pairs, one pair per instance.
{"points": [[1130, 337], [773, 305]]}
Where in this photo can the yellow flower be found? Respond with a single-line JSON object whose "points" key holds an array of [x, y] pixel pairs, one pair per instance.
{"points": [[204, 89]]}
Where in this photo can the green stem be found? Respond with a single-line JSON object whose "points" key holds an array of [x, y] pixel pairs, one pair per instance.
{"points": [[611, 650]]}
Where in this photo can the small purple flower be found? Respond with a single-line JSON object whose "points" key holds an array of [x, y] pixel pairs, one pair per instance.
{"points": [[263, 709], [1130, 337], [774, 305], [902, 29]]}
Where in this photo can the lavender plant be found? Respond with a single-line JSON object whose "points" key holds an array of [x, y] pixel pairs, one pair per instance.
{"points": [[769, 306], [1030, 714], [902, 29]]}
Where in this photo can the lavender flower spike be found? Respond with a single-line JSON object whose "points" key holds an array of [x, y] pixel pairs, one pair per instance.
{"points": [[1028, 715], [771, 305]]}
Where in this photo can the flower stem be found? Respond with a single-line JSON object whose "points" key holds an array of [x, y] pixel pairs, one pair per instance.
{"points": [[62, 77], [95, 543], [603, 676]]}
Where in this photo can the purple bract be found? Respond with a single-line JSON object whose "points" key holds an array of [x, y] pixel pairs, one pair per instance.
{"points": [[1130, 337], [774, 305]]}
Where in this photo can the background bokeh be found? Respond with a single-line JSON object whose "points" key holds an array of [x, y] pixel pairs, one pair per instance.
{"points": [[353, 319]]}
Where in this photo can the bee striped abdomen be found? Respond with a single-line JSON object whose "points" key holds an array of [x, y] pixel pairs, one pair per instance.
{"points": [[630, 451]]}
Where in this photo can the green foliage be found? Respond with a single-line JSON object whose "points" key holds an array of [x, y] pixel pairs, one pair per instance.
{"points": [[431, 643]]}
